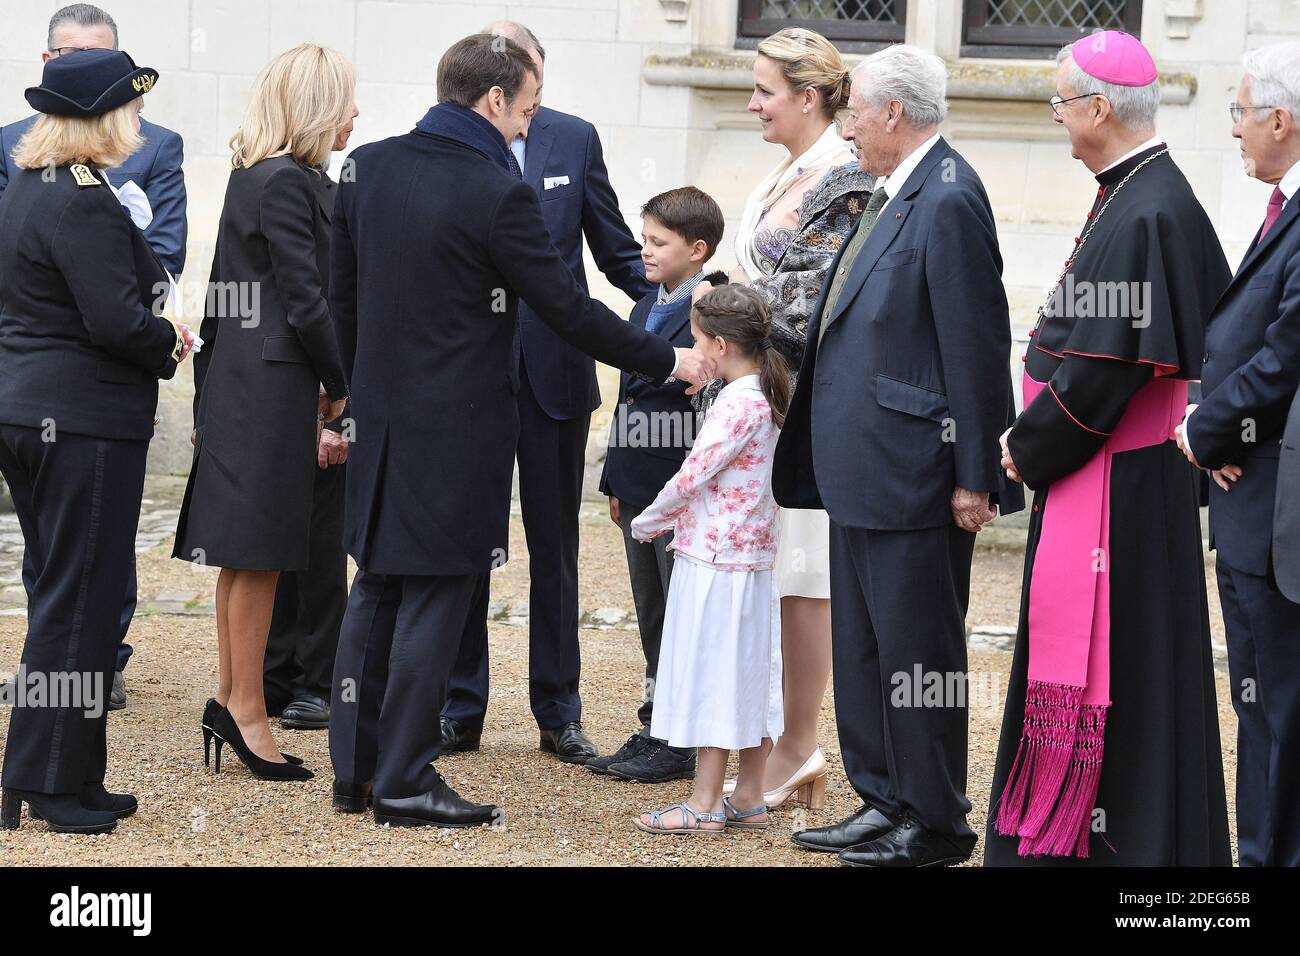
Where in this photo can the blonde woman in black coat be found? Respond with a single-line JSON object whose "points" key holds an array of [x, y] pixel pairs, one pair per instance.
{"points": [[82, 348], [270, 374]]}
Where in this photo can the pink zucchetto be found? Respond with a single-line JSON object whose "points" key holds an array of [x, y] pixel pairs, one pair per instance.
{"points": [[1114, 57]]}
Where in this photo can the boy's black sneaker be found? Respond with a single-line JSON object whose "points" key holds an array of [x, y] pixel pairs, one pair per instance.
{"points": [[657, 763], [635, 744]]}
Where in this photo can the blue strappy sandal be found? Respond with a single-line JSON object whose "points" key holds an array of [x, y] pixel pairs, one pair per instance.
{"points": [[736, 818], [691, 818]]}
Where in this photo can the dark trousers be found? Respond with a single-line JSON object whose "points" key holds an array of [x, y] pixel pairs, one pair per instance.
{"points": [[124, 649], [649, 567], [1263, 630], [78, 502], [309, 605], [898, 609], [396, 648], [551, 455]]}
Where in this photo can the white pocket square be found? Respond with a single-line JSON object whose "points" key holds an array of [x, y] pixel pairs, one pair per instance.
{"points": [[550, 182]]}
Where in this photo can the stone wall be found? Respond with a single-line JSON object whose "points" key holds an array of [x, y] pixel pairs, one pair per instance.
{"points": [[666, 87]]}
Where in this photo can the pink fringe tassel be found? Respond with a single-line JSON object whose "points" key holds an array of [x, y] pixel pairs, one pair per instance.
{"points": [[1042, 759], [1067, 829]]}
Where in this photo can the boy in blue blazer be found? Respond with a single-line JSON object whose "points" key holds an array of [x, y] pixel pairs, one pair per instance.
{"points": [[650, 435]]}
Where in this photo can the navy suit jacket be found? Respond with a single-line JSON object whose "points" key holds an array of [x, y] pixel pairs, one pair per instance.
{"points": [[559, 146], [1248, 383], [636, 475], [909, 390], [155, 168], [437, 318]]}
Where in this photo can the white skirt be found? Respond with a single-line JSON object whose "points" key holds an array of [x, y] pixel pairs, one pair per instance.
{"points": [[803, 554], [719, 679]]}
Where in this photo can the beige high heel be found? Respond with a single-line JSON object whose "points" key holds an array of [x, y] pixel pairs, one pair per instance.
{"points": [[807, 785]]}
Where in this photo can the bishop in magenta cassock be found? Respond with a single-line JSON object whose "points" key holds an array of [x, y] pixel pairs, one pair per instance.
{"points": [[1109, 752]]}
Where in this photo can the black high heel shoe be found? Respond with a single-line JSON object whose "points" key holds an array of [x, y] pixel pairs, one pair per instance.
{"points": [[62, 813], [210, 711], [226, 731]]}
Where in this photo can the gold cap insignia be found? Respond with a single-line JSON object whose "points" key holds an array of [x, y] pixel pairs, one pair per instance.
{"points": [[83, 176], [143, 84]]}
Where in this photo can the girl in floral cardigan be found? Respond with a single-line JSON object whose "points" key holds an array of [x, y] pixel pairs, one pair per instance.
{"points": [[718, 686]]}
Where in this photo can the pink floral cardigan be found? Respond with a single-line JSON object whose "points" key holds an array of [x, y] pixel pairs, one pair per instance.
{"points": [[719, 505]]}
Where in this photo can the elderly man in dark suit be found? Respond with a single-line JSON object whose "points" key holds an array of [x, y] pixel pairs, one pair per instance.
{"points": [[428, 489], [1248, 383], [893, 429], [156, 170], [560, 158]]}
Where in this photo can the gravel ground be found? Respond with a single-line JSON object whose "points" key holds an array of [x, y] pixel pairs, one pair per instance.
{"points": [[555, 813]]}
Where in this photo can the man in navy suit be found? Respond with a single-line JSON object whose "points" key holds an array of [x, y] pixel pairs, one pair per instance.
{"points": [[156, 169], [893, 429], [560, 157], [448, 318], [1248, 383]]}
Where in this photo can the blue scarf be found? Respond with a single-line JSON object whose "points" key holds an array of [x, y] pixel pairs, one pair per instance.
{"points": [[468, 128]]}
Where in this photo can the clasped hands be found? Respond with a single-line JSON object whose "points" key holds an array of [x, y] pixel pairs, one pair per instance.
{"points": [[1223, 477], [331, 447]]}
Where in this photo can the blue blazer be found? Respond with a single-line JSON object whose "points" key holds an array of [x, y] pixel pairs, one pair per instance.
{"points": [[1250, 374], [155, 168], [637, 474], [910, 389], [559, 146]]}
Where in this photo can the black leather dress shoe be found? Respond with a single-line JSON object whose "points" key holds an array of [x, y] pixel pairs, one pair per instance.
{"points": [[439, 807], [635, 744], [569, 743], [457, 738], [909, 844], [306, 712], [656, 763], [117, 696], [351, 797], [867, 824]]}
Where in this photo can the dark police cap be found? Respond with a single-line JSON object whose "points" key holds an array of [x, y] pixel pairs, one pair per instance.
{"points": [[90, 83]]}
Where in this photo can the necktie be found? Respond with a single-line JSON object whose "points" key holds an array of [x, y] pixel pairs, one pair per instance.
{"points": [[1275, 202], [855, 244], [514, 165]]}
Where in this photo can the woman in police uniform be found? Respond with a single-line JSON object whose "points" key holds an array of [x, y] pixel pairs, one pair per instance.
{"points": [[270, 372], [82, 347]]}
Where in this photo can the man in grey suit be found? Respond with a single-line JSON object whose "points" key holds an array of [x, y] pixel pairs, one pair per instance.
{"points": [[1286, 509], [156, 170]]}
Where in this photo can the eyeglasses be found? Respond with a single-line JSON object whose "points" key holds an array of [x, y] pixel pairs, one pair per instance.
{"points": [[1057, 102], [1236, 109], [65, 50]]}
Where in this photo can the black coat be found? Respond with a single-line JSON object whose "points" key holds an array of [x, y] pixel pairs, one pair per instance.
{"points": [[433, 246], [269, 345], [82, 343], [909, 391], [1248, 385], [564, 151], [636, 473]]}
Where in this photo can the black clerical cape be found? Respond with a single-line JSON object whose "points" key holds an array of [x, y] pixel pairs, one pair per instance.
{"points": [[1127, 320]]}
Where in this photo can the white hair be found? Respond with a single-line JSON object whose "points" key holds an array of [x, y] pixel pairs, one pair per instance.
{"points": [[1274, 73], [1134, 106], [916, 79]]}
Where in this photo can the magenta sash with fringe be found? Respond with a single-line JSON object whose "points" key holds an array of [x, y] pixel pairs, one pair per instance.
{"points": [[1051, 791]]}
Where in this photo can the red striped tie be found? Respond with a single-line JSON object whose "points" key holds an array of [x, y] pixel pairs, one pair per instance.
{"points": [[1275, 202]]}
